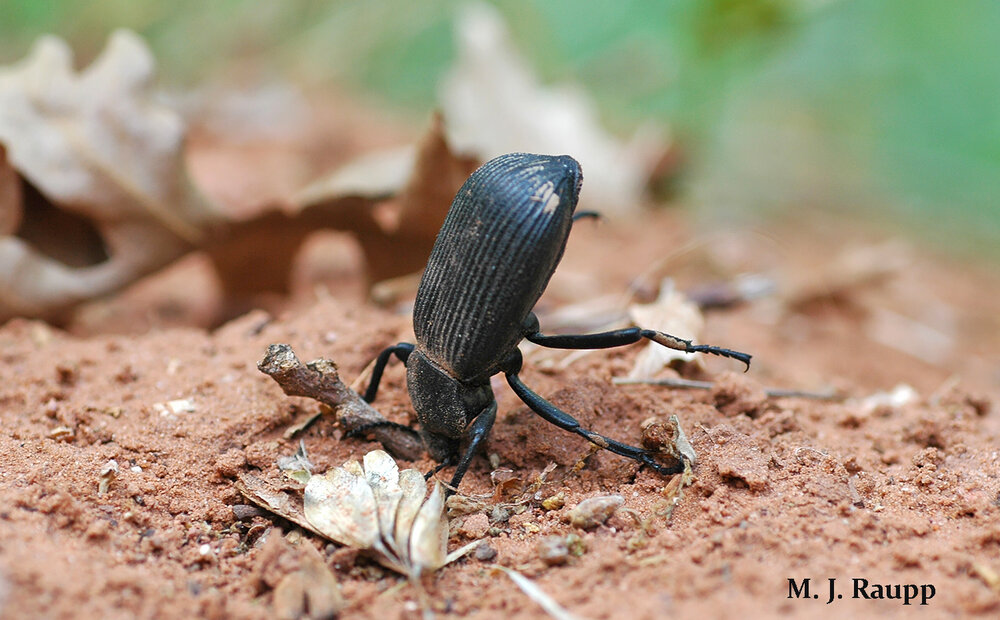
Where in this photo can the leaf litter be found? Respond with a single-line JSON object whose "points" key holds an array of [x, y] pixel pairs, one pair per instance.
{"points": [[94, 192]]}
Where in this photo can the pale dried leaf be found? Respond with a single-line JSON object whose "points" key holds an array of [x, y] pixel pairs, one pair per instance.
{"points": [[429, 535], [682, 444], [414, 489], [96, 143], [397, 236], [354, 466], [297, 466], [375, 175], [672, 313], [382, 474], [461, 551], [496, 104], [341, 505], [900, 396], [381, 470]]}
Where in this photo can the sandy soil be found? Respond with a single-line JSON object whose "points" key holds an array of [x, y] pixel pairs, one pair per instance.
{"points": [[786, 488]]}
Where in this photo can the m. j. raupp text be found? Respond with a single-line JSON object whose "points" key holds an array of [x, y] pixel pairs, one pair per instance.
{"points": [[907, 593]]}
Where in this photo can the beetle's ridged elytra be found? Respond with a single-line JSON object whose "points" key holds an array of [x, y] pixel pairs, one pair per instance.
{"points": [[496, 251], [500, 242]]}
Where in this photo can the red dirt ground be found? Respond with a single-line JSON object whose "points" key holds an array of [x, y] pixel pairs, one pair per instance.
{"points": [[786, 488]]}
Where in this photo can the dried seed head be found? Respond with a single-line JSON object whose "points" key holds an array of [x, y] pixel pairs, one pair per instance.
{"points": [[377, 508]]}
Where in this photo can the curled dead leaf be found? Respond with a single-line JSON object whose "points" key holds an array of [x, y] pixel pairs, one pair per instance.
{"points": [[495, 104], [94, 193], [103, 158]]}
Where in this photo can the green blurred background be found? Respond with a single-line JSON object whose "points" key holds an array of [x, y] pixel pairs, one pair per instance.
{"points": [[886, 108]]}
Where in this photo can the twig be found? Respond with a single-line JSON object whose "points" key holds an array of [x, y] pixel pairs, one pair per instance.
{"points": [[708, 385], [320, 381]]}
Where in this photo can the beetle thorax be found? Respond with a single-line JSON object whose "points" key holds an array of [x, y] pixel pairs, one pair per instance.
{"points": [[444, 405]]}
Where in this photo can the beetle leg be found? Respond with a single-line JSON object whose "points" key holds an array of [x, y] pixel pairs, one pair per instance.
{"points": [[402, 351], [551, 413], [448, 461], [622, 337], [554, 415], [477, 432]]}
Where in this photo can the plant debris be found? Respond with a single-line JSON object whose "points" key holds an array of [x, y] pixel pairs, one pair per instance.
{"points": [[94, 192], [671, 313], [297, 466], [94, 145], [320, 381], [536, 594], [274, 499], [377, 508], [668, 439], [108, 473], [495, 105]]}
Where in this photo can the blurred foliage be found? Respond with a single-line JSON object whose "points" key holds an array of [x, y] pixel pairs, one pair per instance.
{"points": [[887, 106]]}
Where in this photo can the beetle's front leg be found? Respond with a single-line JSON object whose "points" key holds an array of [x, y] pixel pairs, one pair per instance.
{"points": [[622, 337], [552, 414], [478, 431], [402, 352]]}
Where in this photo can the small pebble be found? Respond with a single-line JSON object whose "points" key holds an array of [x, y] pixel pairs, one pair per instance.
{"points": [[485, 553], [475, 526], [592, 512], [553, 550]]}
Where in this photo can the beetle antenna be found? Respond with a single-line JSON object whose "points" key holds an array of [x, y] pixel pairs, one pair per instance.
{"points": [[579, 215]]}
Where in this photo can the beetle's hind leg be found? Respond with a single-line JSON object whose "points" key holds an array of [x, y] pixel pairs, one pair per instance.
{"points": [[402, 352], [622, 337], [552, 414]]}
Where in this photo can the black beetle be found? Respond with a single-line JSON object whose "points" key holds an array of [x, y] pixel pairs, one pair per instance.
{"points": [[499, 244]]}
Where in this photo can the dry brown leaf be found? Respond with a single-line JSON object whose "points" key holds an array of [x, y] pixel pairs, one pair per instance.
{"points": [[495, 104], [99, 196], [273, 499], [397, 238], [672, 313], [395, 234], [10, 196], [103, 159]]}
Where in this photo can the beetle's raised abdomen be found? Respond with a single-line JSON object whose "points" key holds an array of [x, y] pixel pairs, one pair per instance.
{"points": [[500, 243]]}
